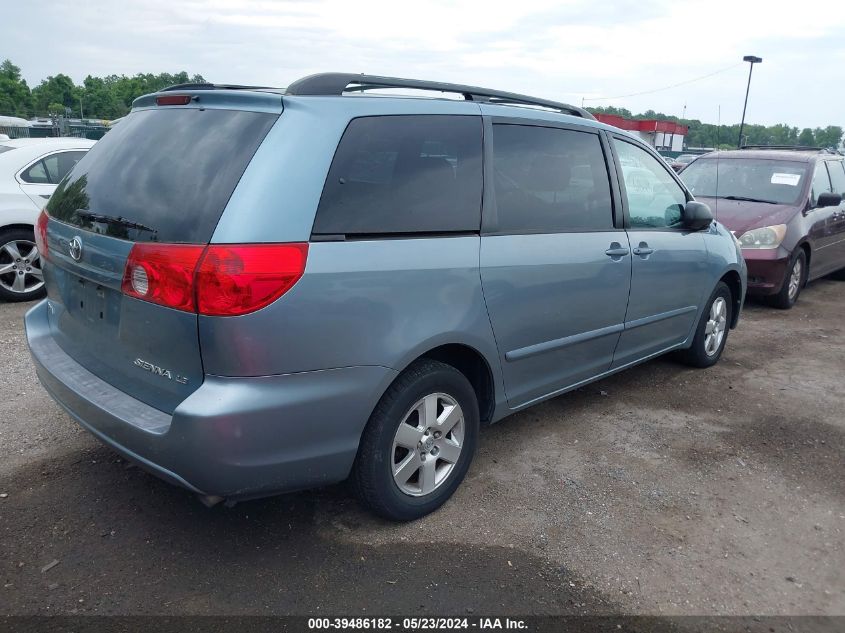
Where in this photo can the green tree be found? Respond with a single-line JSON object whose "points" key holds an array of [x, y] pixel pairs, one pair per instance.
{"points": [[15, 96], [831, 136], [55, 89], [806, 137], [100, 98]]}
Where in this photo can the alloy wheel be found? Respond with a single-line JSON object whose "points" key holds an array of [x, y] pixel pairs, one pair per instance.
{"points": [[20, 267], [714, 331], [427, 444], [795, 279]]}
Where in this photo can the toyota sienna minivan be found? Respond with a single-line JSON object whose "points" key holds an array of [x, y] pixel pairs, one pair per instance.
{"points": [[253, 291]]}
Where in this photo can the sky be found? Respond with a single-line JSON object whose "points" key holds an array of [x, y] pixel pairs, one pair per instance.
{"points": [[566, 50]]}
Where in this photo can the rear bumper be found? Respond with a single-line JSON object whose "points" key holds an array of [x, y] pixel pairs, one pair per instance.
{"points": [[233, 437], [766, 270]]}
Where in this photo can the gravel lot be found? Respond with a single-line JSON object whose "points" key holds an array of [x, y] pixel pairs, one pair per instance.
{"points": [[662, 490]]}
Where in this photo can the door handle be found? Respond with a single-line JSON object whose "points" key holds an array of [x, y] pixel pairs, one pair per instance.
{"points": [[616, 250], [643, 250]]}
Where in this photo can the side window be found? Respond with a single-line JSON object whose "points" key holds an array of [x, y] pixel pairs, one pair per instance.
{"points": [[404, 174], [36, 174], [655, 200], [60, 163], [837, 175], [51, 170], [549, 180], [821, 182]]}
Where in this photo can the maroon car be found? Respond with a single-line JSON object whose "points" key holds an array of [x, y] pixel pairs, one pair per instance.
{"points": [[786, 209]]}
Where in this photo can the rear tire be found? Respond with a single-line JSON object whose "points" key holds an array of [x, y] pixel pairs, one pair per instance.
{"points": [[419, 442], [711, 333], [793, 282], [20, 266]]}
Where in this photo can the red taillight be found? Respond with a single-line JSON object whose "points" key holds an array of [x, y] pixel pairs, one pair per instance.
{"points": [[163, 274], [214, 280], [173, 100], [41, 235], [238, 279]]}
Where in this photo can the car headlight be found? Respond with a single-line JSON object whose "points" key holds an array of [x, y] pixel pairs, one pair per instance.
{"points": [[765, 237]]}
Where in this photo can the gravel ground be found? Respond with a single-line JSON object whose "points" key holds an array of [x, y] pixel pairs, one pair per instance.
{"points": [[662, 490]]}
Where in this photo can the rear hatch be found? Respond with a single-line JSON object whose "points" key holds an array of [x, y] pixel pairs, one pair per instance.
{"points": [[160, 179]]}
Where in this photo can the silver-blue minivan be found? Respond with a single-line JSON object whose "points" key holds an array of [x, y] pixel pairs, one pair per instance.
{"points": [[253, 291]]}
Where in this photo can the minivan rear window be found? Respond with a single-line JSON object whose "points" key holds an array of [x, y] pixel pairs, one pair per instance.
{"points": [[404, 174], [162, 175]]}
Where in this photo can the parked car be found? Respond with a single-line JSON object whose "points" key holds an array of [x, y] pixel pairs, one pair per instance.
{"points": [[30, 169], [786, 208], [682, 161], [255, 291]]}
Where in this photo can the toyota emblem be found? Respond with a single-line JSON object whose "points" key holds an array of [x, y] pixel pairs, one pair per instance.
{"points": [[75, 248]]}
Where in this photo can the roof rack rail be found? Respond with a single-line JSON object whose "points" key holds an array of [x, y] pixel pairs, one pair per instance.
{"points": [[794, 148], [335, 84], [209, 86]]}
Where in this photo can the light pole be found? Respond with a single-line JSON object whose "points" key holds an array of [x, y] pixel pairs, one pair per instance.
{"points": [[751, 59]]}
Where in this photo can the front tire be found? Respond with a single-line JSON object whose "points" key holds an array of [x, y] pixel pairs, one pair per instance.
{"points": [[711, 333], [796, 277], [419, 442], [21, 278]]}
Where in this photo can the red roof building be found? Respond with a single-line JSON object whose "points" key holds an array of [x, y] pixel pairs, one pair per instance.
{"points": [[662, 135]]}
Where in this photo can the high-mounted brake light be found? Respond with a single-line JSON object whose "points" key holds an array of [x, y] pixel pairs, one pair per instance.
{"points": [[173, 100], [41, 235], [214, 280]]}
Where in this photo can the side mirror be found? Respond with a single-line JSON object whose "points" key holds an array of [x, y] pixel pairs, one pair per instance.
{"points": [[828, 199], [696, 216]]}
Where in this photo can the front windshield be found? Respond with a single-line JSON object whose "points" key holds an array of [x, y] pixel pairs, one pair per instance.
{"points": [[777, 181]]}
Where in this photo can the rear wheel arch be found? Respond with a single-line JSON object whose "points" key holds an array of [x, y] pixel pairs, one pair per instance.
{"points": [[18, 226], [474, 366]]}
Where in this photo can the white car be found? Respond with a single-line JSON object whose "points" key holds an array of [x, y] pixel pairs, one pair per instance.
{"points": [[30, 169]]}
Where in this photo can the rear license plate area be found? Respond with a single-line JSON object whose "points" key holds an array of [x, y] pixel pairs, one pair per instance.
{"points": [[88, 302]]}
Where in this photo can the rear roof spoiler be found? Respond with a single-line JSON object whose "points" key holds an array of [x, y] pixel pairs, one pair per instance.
{"points": [[209, 86]]}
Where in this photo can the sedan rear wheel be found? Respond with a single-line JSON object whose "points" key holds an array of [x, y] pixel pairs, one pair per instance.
{"points": [[21, 278]]}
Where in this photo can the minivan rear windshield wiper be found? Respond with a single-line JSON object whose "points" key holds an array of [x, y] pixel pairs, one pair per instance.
{"points": [[117, 221], [746, 199]]}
